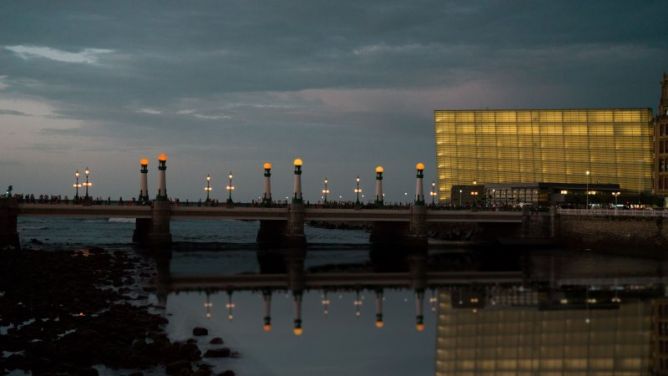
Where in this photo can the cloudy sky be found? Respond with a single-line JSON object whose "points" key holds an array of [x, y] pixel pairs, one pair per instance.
{"points": [[227, 85]]}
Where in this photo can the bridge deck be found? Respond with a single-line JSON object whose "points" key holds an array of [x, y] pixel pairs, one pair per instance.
{"points": [[260, 213], [85, 211]]}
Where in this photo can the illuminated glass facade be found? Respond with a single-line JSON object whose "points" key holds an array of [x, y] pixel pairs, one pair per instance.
{"points": [[527, 341], [529, 146]]}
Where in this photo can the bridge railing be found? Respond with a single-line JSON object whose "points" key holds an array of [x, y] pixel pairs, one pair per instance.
{"points": [[614, 212]]}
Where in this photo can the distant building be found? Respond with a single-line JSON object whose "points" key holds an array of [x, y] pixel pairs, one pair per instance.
{"points": [[661, 145], [543, 194], [575, 146]]}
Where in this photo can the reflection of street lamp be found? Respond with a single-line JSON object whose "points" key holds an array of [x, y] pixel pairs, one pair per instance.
{"points": [[587, 193], [76, 185], [229, 188], [357, 190], [208, 188], [433, 193]]}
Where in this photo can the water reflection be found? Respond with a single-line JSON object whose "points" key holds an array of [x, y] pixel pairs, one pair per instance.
{"points": [[534, 313]]}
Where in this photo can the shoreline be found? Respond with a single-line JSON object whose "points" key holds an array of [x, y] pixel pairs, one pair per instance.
{"points": [[74, 311]]}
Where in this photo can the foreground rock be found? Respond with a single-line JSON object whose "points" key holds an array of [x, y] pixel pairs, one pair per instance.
{"points": [[64, 318]]}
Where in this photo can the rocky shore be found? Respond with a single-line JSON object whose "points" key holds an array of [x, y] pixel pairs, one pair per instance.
{"points": [[72, 312]]}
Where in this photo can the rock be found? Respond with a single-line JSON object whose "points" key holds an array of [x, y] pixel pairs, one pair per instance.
{"points": [[202, 372], [177, 368], [199, 331], [88, 372], [216, 341], [217, 353]]}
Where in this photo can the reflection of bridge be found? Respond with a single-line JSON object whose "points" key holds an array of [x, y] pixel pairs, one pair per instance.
{"points": [[342, 280]]}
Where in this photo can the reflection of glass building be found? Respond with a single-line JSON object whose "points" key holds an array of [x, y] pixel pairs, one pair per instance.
{"points": [[527, 341], [529, 146], [661, 137]]}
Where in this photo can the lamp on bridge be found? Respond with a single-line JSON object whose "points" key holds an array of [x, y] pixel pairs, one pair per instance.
{"points": [[433, 193], [419, 188], [298, 198], [357, 190], [230, 188], [379, 185], [266, 196], [325, 190], [162, 168], [87, 184], [208, 188], [143, 181], [76, 185]]}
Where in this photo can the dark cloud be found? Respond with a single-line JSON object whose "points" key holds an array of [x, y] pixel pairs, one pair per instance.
{"points": [[12, 112]]}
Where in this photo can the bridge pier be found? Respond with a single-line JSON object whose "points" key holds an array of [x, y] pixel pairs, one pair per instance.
{"points": [[271, 233], [294, 231], [142, 228], [159, 235], [417, 227], [9, 236]]}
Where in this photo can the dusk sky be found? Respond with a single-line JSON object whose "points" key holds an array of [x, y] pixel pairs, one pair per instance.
{"points": [[346, 85]]}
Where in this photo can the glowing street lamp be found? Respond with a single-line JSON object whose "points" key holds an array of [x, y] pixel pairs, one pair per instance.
{"points": [[433, 193], [87, 183], [357, 190], [616, 194], [325, 190], [208, 188], [76, 185], [230, 188], [460, 197]]}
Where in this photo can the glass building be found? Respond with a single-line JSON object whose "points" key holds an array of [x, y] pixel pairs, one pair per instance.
{"points": [[602, 146]]}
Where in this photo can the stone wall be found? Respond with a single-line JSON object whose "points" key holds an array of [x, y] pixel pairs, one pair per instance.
{"points": [[641, 235]]}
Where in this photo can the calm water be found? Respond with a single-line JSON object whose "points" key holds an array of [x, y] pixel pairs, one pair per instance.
{"points": [[550, 312]]}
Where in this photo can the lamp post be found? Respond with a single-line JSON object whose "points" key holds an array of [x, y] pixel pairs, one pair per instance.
{"points": [[616, 194], [433, 193], [266, 197], [143, 180], [298, 198], [76, 185], [419, 190], [379, 185], [357, 190], [87, 183], [229, 188], [587, 192], [325, 190], [208, 188], [162, 177]]}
